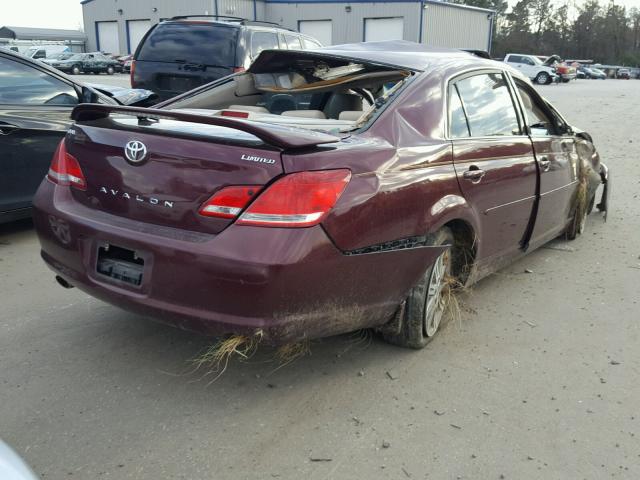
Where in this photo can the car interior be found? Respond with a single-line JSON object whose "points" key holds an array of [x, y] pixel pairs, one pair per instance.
{"points": [[314, 95]]}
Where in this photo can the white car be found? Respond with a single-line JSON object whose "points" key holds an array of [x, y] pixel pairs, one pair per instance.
{"points": [[532, 67], [12, 467]]}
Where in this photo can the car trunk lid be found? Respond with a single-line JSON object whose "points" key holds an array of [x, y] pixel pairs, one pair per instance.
{"points": [[184, 165]]}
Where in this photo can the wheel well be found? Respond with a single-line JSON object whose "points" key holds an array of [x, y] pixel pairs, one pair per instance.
{"points": [[464, 248]]}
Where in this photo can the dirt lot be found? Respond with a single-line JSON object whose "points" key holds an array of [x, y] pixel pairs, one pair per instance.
{"points": [[539, 380]]}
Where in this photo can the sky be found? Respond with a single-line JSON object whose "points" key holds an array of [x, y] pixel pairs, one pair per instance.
{"points": [[68, 13]]}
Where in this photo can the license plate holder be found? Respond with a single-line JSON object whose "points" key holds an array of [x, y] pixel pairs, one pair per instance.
{"points": [[120, 264]]}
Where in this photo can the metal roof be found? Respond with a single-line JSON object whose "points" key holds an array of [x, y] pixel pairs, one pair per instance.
{"points": [[28, 33], [449, 4]]}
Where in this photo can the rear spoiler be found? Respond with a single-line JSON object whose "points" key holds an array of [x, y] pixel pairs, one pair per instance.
{"points": [[278, 136]]}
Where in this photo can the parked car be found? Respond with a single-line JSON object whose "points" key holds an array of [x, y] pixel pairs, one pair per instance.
{"points": [[593, 73], [125, 62], [532, 67], [397, 170], [185, 52], [77, 63], [35, 112], [12, 467], [624, 73], [40, 52]]}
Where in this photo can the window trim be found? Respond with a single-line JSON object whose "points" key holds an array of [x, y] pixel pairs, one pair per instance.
{"points": [[472, 73]]}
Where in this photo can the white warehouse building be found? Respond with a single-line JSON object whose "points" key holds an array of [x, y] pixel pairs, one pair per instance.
{"points": [[117, 26]]}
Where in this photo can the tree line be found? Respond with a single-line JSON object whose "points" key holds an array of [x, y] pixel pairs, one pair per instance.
{"points": [[604, 32]]}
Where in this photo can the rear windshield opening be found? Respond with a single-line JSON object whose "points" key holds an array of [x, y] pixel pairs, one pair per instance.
{"points": [[187, 42], [310, 93]]}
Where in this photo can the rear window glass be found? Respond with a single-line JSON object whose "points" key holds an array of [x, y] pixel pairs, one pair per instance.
{"points": [[191, 43], [263, 41], [293, 43]]}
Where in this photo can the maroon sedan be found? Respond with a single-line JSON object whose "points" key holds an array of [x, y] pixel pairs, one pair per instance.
{"points": [[317, 193]]}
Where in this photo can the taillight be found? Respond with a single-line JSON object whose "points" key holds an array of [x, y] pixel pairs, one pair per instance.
{"points": [[239, 69], [132, 69], [229, 202], [297, 200], [65, 169]]}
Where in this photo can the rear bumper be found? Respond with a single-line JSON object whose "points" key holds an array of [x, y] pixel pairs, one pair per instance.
{"points": [[288, 283]]}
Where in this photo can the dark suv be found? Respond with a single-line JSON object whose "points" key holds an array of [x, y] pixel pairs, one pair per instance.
{"points": [[185, 52]]}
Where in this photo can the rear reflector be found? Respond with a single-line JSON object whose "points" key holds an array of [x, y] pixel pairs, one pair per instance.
{"points": [[297, 200], [229, 202], [65, 169], [232, 113]]}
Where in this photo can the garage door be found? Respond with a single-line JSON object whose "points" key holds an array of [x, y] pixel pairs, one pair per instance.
{"points": [[378, 29], [319, 29], [108, 40], [136, 30]]}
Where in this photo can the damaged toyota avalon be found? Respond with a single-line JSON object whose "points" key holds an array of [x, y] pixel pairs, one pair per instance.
{"points": [[317, 193]]}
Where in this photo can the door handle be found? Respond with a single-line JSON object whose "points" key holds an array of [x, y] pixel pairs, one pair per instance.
{"points": [[7, 128], [474, 174], [545, 163]]}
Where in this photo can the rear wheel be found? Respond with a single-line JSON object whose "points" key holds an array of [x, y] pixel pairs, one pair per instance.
{"points": [[75, 70], [425, 305], [110, 70], [543, 78]]}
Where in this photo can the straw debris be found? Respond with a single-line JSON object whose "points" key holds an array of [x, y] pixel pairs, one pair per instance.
{"points": [[216, 358]]}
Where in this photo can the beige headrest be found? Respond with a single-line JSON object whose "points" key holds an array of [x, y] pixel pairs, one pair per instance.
{"points": [[305, 114], [245, 85], [351, 115], [526, 100], [247, 108]]}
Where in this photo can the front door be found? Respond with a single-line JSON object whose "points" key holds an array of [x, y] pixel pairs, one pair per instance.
{"points": [[558, 164], [35, 110], [494, 163]]}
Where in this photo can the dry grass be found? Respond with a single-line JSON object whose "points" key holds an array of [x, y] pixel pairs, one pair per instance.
{"points": [[581, 197], [291, 352], [216, 358], [450, 299]]}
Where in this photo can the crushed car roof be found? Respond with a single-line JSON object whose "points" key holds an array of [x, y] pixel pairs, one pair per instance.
{"points": [[397, 53]]}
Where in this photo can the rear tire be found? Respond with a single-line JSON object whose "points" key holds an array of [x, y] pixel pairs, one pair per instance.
{"points": [[424, 307], [75, 70], [110, 70]]}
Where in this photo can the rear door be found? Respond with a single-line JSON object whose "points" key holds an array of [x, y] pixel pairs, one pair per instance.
{"points": [[494, 161], [178, 56], [35, 110], [558, 163]]}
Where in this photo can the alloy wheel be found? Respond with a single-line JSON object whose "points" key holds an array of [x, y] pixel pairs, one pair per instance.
{"points": [[434, 305]]}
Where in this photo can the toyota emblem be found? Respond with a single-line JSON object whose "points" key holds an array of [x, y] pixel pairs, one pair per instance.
{"points": [[135, 151]]}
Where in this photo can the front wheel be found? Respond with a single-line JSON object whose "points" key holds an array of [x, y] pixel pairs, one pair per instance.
{"points": [[543, 78], [75, 70], [426, 304], [110, 70], [579, 220]]}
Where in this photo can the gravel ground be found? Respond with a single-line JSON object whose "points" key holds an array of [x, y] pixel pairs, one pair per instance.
{"points": [[117, 79], [539, 379]]}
